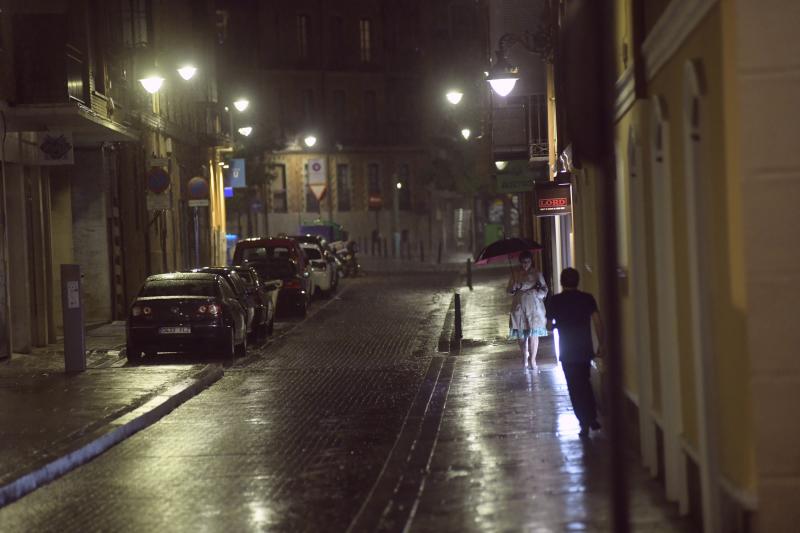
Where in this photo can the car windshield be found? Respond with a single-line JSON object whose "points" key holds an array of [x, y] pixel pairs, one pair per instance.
{"points": [[264, 253], [312, 253], [179, 287], [274, 269]]}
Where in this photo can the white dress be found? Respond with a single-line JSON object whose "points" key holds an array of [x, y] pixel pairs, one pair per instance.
{"points": [[527, 315]]}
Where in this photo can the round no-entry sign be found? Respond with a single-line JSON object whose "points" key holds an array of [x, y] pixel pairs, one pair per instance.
{"points": [[157, 180], [197, 188], [316, 166]]}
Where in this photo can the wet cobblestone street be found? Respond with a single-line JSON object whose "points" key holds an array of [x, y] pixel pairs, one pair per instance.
{"points": [[352, 420]]}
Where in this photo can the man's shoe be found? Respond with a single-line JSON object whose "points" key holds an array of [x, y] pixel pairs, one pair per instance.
{"points": [[595, 425]]}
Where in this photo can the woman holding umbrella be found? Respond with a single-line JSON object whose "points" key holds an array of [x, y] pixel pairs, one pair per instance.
{"points": [[527, 320]]}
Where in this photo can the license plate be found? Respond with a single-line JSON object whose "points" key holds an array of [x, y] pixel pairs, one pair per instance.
{"points": [[175, 330]]}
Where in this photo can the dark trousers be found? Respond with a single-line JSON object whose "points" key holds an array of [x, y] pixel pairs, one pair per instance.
{"points": [[580, 391]]}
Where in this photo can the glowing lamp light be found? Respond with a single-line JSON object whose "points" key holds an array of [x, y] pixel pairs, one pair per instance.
{"points": [[310, 141], [246, 130], [399, 185], [466, 133], [454, 97], [241, 104], [503, 86], [152, 84], [187, 72], [501, 164]]}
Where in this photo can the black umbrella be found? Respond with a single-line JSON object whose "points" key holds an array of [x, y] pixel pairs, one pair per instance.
{"points": [[506, 249]]}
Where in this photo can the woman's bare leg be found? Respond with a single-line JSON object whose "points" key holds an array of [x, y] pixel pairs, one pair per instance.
{"points": [[523, 347], [533, 348]]}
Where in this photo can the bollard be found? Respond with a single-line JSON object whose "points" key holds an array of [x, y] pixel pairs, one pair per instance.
{"points": [[457, 316], [469, 273], [72, 310], [439, 255], [421, 252]]}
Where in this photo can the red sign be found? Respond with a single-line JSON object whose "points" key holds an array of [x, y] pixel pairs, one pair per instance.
{"points": [[553, 199], [375, 201], [157, 180]]}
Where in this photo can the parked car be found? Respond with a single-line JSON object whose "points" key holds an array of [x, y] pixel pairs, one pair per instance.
{"points": [[295, 293], [256, 315], [268, 248], [266, 295], [327, 252], [321, 271], [186, 311]]}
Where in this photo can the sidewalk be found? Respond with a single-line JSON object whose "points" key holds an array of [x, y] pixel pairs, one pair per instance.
{"points": [[507, 455], [51, 422]]}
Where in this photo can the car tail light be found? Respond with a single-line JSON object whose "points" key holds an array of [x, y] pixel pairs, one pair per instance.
{"points": [[292, 284], [209, 309], [136, 310], [147, 311]]}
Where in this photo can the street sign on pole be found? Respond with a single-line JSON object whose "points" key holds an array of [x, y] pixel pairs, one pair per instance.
{"points": [[317, 177]]}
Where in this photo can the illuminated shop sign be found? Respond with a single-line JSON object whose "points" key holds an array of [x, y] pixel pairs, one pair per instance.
{"points": [[552, 199]]}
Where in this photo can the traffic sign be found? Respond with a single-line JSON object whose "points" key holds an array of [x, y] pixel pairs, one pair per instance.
{"points": [[157, 180], [317, 180], [197, 188]]}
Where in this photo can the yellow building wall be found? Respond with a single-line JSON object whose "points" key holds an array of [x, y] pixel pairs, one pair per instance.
{"points": [[723, 215]]}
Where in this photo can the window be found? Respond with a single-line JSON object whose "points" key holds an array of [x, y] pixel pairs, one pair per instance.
{"points": [[308, 106], [373, 178], [365, 40], [343, 188], [374, 199], [279, 199], [99, 29], [339, 111], [404, 194], [302, 36], [337, 52], [312, 204], [370, 111], [132, 18]]}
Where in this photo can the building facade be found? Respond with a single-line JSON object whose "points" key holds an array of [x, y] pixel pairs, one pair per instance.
{"points": [[702, 107], [80, 137], [352, 75]]}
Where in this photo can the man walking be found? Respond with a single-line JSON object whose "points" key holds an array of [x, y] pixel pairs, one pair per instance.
{"points": [[572, 312]]}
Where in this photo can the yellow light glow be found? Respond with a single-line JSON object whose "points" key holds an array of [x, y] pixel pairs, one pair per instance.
{"points": [[187, 72], [152, 84]]}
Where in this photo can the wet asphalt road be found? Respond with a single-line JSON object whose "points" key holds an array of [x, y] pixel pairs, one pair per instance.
{"points": [[292, 438]]}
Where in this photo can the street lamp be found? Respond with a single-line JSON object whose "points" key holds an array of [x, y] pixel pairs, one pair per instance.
{"points": [[241, 104], [187, 72], [503, 76], [466, 132], [310, 141], [246, 130], [501, 164], [454, 96], [152, 84]]}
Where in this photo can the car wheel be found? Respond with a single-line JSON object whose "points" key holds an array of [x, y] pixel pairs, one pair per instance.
{"points": [[241, 350], [229, 346], [134, 354]]}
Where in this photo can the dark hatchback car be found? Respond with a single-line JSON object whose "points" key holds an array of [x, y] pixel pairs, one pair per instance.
{"points": [[256, 315], [185, 312], [295, 293], [265, 295]]}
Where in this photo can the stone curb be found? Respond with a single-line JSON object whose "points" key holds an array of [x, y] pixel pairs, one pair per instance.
{"points": [[100, 440]]}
